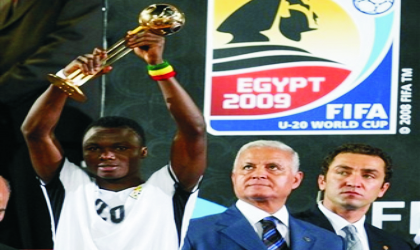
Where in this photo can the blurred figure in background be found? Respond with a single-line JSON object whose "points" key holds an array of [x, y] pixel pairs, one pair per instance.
{"points": [[4, 198], [37, 37]]}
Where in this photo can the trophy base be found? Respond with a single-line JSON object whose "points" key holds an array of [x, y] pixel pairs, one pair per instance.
{"points": [[67, 87]]}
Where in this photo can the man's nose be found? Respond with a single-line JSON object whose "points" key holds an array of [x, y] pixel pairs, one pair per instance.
{"points": [[259, 172], [354, 180], [107, 155]]}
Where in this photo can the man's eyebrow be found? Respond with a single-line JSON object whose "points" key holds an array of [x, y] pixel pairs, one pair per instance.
{"points": [[369, 170], [343, 166]]}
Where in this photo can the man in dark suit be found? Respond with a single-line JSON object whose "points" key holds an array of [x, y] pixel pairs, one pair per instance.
{"points": [[352, 177], [263, 176], [38, 37], [4, 196]]}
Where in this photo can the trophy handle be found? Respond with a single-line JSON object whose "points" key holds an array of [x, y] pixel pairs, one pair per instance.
{"points": [[70, 85], [67, 87], [118, 50]]}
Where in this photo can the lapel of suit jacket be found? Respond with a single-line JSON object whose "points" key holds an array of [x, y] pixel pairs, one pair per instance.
{"points": [[375, 241], [321, 219], [20, 10], [300, 237], [238, 229]]}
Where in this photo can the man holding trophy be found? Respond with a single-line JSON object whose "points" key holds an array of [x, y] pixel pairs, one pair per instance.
{"points": [[107, 205]]}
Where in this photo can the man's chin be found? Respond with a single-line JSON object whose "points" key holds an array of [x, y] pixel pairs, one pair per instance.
{"points": [[258, 196], [351, 206], [107, 176]]}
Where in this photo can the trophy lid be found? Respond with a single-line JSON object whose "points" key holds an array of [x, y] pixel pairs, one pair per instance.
{"points": [[162, 19]]}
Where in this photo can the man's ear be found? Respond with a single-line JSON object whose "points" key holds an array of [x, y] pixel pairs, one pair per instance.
{"points": [[321, 182], [297, 179], [383, 190], [232, 177], [143, 152]]}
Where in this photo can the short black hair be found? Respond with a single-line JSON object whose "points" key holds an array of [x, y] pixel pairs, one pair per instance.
{"points": [[119, 122], [359, 148]]}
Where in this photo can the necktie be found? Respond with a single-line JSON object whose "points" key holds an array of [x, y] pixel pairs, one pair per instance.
{"points": [[271, 237], [352, 241]]}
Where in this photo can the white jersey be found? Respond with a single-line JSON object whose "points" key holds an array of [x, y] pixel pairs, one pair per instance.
{"points": [[148, 225]]}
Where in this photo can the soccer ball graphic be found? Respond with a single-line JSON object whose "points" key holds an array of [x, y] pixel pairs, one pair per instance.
{"points": [[373, 7]]}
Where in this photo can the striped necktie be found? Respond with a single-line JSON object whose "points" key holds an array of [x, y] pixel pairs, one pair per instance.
{"points": [[271, 237], [352, 241]]}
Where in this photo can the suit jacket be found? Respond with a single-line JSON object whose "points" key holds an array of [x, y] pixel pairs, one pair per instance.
{"points": [[378, 239], [231, 230], [4, 247]]}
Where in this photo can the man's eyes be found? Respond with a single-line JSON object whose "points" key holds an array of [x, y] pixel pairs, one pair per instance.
{"points": [[121, 148], [343, 172], [270, 167], [347, 173], [247, 167], [92, 148], [369, 176], [115, 148]]}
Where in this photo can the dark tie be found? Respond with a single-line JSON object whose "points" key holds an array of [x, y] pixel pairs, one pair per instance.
{"points": [[352, 241], [271, 237]]}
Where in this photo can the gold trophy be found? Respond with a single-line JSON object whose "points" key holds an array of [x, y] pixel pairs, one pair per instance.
{"points": [[161, 19]]}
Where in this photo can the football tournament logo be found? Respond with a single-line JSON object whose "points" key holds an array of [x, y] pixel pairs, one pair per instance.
{"points": [[302, 67]]}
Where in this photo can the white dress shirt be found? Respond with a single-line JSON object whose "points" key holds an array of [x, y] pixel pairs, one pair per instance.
{"points": [[254, 215], [417, 238], [339, 223]]}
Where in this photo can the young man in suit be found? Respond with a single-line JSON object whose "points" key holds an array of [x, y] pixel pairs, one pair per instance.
{"points": [[263, 176], [352, 177]]}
